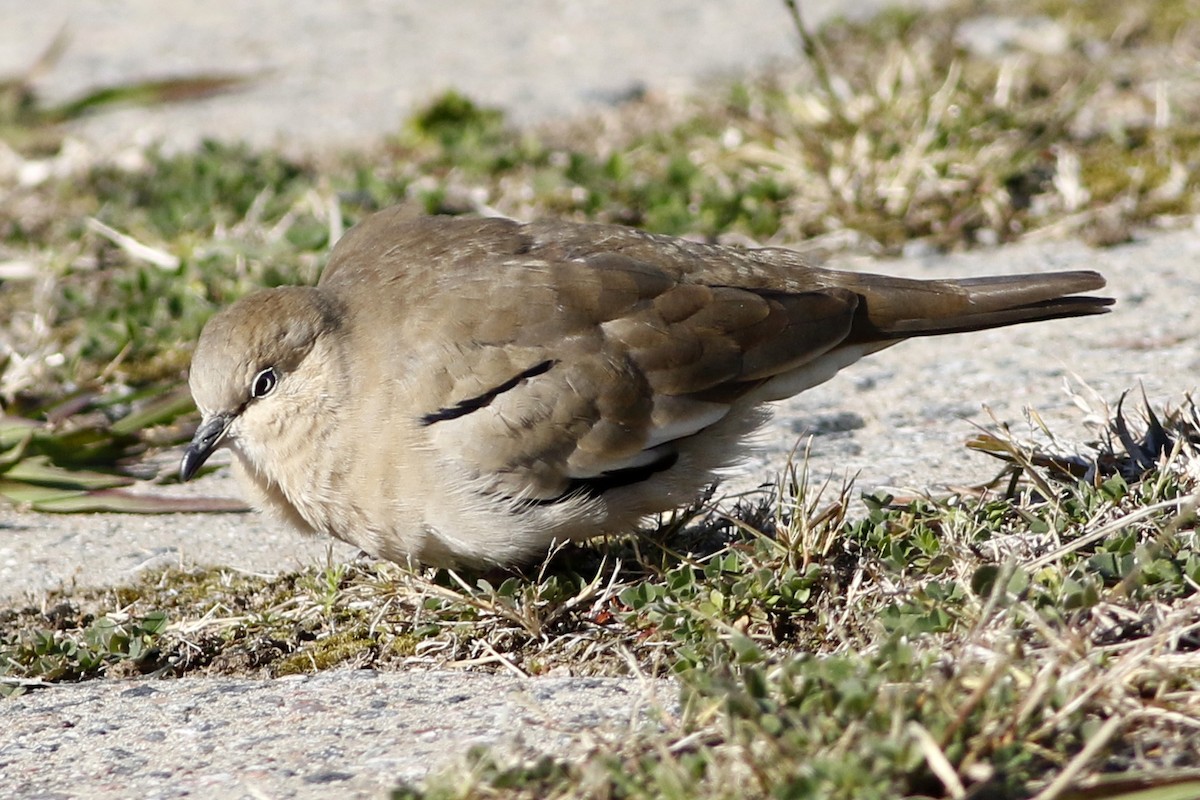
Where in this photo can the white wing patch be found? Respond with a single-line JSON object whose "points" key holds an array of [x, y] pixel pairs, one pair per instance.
{"points": [[672, 419], [679, 417]]}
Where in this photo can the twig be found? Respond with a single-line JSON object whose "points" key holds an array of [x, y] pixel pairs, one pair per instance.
{"points": [[815, 53]]}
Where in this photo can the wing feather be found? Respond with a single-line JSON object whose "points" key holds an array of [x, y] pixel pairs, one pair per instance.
{"points": [[615, 362]]}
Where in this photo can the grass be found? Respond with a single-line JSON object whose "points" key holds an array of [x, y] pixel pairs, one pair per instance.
{"points": [[1034, 639], [1004, 643]]}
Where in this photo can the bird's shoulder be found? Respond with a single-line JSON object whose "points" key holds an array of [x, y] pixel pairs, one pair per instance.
{"points": [[393, 248]]}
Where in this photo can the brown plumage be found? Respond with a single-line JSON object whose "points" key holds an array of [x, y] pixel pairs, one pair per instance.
{"points": [[471, 390]]}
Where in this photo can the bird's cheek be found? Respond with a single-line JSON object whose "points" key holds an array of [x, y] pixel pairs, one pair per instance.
{"points": [[271, 426], [263, 419], [254, 448]]}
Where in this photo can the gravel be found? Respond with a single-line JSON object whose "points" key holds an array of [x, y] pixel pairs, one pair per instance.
{"points": [[355, 734]]}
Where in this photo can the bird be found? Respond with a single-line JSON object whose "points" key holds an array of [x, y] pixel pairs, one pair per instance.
{"points": [[469, 392]]}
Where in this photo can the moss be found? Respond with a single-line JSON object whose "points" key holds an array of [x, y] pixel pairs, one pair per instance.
{"points": [[1118, 169], [1147, 23], [342, 647], [404, 645]]}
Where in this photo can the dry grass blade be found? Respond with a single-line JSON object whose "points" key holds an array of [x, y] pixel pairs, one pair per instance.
{"points": [[134, 248], [116, 501], [153, 92], [936, 758], [1094, 745], [1167, 785], [814, 51], [1108, 529], [28, 123]]}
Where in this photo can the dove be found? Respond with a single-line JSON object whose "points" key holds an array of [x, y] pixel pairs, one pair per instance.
{"points": [[468, 392]]}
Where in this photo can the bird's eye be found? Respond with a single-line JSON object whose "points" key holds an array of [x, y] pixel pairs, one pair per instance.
{"points": [[264, 383]]}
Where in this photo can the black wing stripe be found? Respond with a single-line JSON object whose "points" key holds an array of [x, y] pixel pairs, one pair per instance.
{"points": [[605, 481], [464, 407]]}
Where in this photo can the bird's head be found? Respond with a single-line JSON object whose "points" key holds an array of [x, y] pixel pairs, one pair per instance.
{"points": [[248, 372]]}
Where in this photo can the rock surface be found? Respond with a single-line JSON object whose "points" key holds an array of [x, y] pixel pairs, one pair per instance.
{"points": [[343, 734]]}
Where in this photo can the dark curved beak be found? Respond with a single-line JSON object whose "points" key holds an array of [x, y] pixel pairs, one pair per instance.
{"points": [[208, 436]]}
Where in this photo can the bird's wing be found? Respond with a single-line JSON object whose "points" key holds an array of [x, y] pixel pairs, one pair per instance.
{"points": [[546, 378]]}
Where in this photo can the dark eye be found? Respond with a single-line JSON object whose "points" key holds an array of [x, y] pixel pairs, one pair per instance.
{"points": [[264, 383]]}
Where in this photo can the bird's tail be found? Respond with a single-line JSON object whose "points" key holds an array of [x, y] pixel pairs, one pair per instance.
{"points": [[898, 308]]}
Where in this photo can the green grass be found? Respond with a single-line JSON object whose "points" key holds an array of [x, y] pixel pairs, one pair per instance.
{"points": [[1034, 639], [993, 642]]}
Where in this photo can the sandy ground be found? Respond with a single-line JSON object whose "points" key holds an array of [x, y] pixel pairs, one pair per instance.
{"points": [[346, 73]]}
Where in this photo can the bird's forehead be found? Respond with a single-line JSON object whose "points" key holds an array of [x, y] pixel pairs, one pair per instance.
{"points": [[231, 344], [218, 374], [271, 328]]}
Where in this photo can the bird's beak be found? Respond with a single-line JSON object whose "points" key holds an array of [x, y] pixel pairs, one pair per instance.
{"points": [[207, 437]]}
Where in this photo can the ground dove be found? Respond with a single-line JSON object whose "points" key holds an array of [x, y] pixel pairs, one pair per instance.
{"points": [[469, 391]]}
